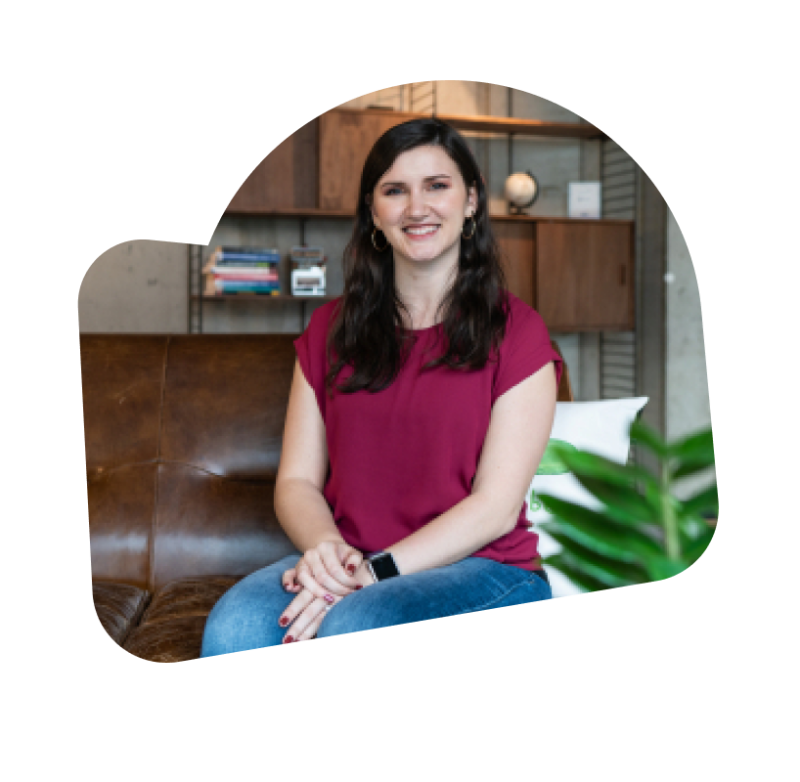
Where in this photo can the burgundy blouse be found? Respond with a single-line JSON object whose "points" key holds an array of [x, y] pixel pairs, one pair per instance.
{"points": [[403, 456]]}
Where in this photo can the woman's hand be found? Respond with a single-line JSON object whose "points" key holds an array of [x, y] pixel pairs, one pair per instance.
{"points": [[328, 570], [306, 612]]}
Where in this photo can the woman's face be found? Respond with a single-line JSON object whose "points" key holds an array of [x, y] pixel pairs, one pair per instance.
{"points": [[421, 204]]}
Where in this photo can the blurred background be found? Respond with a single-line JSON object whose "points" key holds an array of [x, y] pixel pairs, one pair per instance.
{"points": [[617, 289]]}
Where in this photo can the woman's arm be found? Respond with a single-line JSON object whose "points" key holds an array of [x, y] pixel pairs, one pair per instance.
{"points": [[507, 464], [515, 442], [304, 515]]}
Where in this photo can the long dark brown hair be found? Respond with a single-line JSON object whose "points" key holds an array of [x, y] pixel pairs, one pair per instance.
{"points": [[367, 332]]}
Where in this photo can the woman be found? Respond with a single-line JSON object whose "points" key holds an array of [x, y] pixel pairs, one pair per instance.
{"points": [[421, 405]]}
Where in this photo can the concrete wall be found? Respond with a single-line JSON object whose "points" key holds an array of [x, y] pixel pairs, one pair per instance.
{"points": [[687, 403], [138, 286]]}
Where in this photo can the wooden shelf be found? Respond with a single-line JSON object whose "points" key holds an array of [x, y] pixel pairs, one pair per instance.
{"points": [[260, 297], [322, 213], [289, 212], [523, 127], [545, 219], [488, 124]]}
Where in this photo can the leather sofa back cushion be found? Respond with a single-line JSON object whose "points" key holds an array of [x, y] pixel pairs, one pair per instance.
{"points": [[183, 437]]}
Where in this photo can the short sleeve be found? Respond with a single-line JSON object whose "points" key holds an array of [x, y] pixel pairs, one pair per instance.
{"points": [[311, 352], [524, 351]]}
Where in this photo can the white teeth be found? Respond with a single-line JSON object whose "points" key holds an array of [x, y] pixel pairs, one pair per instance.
{"points": [[421, 231]]}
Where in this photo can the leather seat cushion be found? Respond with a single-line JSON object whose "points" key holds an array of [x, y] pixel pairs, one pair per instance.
{"points": [[118, 607], [171, 629]]}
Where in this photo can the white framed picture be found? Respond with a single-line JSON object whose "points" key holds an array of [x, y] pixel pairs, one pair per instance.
{"points": [[585, 200]]}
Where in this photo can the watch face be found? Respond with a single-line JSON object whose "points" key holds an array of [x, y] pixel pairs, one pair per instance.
{"points": [[383, 565]]}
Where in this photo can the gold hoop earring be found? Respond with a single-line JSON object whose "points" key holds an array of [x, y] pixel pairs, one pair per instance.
{"points": [[474, 228], [379, 249]]}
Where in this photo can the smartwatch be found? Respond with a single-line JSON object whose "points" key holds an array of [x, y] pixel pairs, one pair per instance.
{"points": [[381, 565]]}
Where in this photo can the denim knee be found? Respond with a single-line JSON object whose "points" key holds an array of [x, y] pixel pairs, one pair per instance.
{"points": [[246, 616]]}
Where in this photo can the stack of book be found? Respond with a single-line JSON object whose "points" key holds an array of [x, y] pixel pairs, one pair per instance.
{"points": [[242, 270]]}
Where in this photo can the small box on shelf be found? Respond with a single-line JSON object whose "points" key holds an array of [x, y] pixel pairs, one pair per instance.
{"points": [[307, 271]]}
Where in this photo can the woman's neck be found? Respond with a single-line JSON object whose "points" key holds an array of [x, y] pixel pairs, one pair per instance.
{"points": [[422, 289]]}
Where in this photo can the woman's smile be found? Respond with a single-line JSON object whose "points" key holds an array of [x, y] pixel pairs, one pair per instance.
{"points": [[420, 232]]}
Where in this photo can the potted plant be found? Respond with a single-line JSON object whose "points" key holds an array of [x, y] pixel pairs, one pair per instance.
{"points": [[643, 531]]}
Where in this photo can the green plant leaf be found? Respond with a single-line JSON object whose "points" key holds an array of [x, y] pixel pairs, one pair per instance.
{"points": [[605, 512], [642, 433], [622, 503], [659, 568], [693, 549], [698, 447], [551, 463], [683, 469], [598, 532], [562, 531], [690, 525], [590, 465], [578, 577], [707, 501], [609, 572]]}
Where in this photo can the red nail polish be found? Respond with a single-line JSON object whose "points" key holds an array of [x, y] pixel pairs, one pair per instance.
{"points": [[351, 569], [358, 586], [288, 639], [328, 598], [283, 621]]}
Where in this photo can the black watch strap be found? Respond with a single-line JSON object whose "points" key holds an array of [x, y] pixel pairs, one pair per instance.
{"points": [[381, 565]]}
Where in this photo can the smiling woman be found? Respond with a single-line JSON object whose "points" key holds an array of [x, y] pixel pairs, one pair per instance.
{"points": [[403, 477], [422, 215]]}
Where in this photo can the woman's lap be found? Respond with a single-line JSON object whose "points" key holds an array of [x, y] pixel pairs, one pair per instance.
{"points": [[246, 617]]}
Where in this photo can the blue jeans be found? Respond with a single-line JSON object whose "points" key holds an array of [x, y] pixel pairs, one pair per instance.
{"points": [[246, 617]]}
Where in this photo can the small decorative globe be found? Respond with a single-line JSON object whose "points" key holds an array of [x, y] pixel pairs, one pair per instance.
{"points": [[521, 190]]}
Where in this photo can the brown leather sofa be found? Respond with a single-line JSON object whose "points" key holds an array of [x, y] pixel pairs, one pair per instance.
{"points": [[183, 438]]}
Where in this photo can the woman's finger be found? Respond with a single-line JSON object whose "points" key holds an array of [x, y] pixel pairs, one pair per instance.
{"points": [[299, 629], [352, 561], [288, 580], [315, 614], [295, 608], [325, 563], [321, 569], [320, 590], [344, 582]]}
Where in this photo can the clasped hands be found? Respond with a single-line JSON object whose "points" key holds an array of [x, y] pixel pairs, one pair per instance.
{"points": [[324, 575]]}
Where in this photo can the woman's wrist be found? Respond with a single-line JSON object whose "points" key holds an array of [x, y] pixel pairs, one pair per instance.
{"points": [[363, 575]]}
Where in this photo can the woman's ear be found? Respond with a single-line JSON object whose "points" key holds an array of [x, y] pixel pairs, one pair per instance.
{"points": [[368, 202], [472, 201]]}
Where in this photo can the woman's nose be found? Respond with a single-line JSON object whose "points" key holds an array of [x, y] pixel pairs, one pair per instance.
{"points": [[416, 206]]}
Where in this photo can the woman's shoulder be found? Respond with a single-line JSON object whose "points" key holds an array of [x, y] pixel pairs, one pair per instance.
{"points": [[519, 314], [322, 317]]}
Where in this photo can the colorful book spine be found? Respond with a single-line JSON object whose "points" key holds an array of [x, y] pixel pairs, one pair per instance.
{"points": [[225, 255], [253, 260], [242, 257], [235, 286], [248, 293], [252, 276]]}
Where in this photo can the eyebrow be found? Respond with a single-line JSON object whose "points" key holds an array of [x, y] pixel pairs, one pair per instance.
{"points": [[426, 179]]}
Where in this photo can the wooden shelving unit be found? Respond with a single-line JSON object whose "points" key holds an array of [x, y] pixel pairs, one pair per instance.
{"points": [[329, 213], [278, 174], [260, 298], [524, 127]]}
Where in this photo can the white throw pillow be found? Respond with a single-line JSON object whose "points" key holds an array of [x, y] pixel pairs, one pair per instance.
{"points": [[598, 427]]}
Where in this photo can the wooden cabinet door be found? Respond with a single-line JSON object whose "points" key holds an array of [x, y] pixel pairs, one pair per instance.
{"points": [[285, 179], [516, 242], [345, 139], [584, 275]]}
